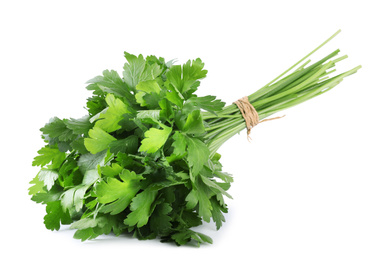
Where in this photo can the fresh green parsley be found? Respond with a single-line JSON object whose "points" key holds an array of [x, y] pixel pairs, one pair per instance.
{"points": [[144, 160]]}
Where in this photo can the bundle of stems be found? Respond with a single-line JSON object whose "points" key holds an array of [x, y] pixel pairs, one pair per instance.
{"points": [[287, 90]]}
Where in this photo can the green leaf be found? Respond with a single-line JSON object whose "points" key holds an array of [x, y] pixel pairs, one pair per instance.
{"points": [[208, 103], [201, 238], [91, 161], [173, 95], [194, 123], [88, 223], [160, 222], [118, 193], [37, 186], [149, 116], [85, 234], [90, 227], [110, 82], [45, 197], [55, 216], [111, 170], [192, 71], [217, 213], [183, 237], [95, 104], [205, 206], [180, 143], [190, 218], [198, 154], [48, 177], [215, 186], [79, 146], [155, 139], [185, 79], [56, 128], [128, 145], [133, 69], [49, 154], [141, 208], [192, 199], [74, 197], [98, 140], [166, 112], [148, 86], [79, 126], [148, 93], [137, 70], [109, 119]]}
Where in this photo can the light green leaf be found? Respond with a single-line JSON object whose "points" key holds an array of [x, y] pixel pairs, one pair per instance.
{"points": [[98, 140], [37, 186], [144, 88], [111, 170], [154, 115], [109, 120], [118, 193], [87, 223], [137, 70], [155, 139], [186, 78], [49, 154], [149, 86], [174, 96], [74, 197], [48, 177]]}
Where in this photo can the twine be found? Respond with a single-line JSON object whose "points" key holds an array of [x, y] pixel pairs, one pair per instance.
{"points": [[250, 114]]}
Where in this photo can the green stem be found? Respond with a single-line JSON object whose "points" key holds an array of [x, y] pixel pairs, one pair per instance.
{"points": [[281, 93]]}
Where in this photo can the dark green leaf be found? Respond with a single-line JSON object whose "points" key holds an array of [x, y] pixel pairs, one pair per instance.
{"points": [[55, 216], [128, 145], [79, 126]]}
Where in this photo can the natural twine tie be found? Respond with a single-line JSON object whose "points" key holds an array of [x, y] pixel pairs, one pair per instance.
{"points": [[250, 114]]}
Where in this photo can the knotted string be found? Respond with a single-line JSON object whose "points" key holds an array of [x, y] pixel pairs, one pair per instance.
{"points": [[250, 114]]}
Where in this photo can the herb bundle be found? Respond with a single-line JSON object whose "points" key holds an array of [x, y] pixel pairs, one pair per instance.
{"points": [[144, 159]]}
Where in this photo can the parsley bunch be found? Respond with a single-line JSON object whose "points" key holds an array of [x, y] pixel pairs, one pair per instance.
{"points": [[144, 159]]}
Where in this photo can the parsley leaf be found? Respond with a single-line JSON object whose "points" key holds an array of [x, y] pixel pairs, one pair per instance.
{"points": [[98, 141], [141, 208], [139, 161], [55, 216], [155, 139], [49, 154], [109, 120], [117, 194], [198, 154]]}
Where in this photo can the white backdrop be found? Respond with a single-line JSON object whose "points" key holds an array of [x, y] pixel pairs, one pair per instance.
{"points": [[313, 185]]}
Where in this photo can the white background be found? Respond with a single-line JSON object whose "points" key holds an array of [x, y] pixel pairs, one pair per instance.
{"points": [[313, 185]]}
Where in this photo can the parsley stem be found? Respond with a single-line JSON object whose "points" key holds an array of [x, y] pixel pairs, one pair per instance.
{"points": [[300, 85]]}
